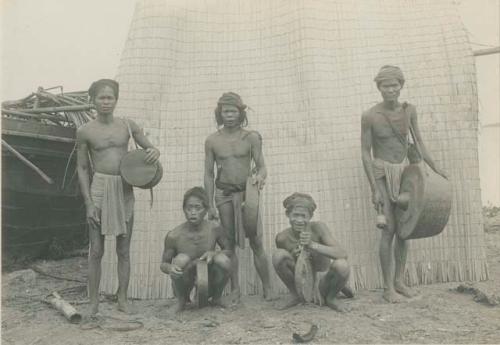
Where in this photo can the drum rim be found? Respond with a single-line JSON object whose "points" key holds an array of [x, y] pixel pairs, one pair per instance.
{"points": [[158, 171]]}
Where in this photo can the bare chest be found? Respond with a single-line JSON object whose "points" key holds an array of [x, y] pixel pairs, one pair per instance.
{"points": [[196, 244], [232, 148], [390, 126], [103, 138]]}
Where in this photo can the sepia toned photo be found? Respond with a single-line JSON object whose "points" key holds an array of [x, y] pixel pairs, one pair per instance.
{"points": [[250, 171]]}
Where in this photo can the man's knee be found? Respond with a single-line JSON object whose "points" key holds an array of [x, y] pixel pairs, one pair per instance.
{"points": [[256, 244], [123, 252], [280, 256], [222, 260], [340, 267], [181, 260]]}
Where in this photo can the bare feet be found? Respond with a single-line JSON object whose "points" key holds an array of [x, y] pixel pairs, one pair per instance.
{"points": [[291, 302], [405, 290], [392, 296], [123, 305], [337, 305], [217, 302], [347, 291], [93, 309], [268, 295], [179, 306], [234, 297]]}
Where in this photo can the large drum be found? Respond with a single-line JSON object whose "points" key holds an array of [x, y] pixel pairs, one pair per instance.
{"points": [[424, 203], [250, 211], [136, 172]]}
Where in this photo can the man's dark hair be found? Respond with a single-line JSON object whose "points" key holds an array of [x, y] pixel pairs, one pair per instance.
{"points": [[197, 192], [231, 98], [101, 83]]}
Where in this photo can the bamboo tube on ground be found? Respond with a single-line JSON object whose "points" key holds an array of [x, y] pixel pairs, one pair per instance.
{"points": [[65, 308]]}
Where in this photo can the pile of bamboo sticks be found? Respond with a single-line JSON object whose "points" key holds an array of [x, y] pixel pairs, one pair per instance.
{"points": [[70, 109]]}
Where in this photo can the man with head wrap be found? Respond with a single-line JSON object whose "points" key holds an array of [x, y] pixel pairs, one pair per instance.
{"points": [[385, 149], [328, 258], [233, 149], [108, 199]]}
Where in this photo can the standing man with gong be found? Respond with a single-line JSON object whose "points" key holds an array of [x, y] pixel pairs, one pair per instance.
{"points": [[386, 151], [109, 200], [233, 149]]}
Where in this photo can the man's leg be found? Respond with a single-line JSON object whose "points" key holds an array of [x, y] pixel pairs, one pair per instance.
{"points": [[400, 253], [123, 253], [284, 264], [95, 255], [333, 282], [260, 263], [226, 214], [219, 272], [183, 284], [386, 250]]}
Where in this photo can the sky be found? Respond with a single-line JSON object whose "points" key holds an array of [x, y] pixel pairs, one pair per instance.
{"points": [[73, 42]]}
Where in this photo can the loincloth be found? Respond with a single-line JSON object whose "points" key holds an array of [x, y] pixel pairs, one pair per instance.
{"points": [[115, 201], [237, 199], [392, 173]]}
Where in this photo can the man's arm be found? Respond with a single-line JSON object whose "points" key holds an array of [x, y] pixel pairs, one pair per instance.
{"points": [[168, 254], [83, 168], [328, 246], [425, 154], [208, 179], [366, 156], [152, 152], [258, 157]]}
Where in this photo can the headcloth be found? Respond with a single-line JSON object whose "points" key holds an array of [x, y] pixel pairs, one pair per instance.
{"points": [[97, 85], [231, 98], [390, 72], [299, 199]]}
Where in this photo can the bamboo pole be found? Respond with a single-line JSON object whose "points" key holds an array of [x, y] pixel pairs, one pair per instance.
{"points": [[58, 109], [27, 162], [64, 307], [488, 51], [54, 118]]}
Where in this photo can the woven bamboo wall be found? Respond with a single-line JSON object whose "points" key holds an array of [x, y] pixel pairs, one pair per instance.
{"points": [[305, 67]]}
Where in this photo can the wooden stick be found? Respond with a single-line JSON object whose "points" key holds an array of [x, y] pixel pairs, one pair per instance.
{"points": [[54, 118], [27, 162], [488, 51], [58, 109]]}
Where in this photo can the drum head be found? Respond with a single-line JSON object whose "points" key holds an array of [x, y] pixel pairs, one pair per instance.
{"points": [[250, 210], [136, 172], [201, 284]]}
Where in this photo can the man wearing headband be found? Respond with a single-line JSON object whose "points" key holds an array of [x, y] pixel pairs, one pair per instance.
{"points": [[108, 199], [386, 151], [328, 258], [233, 149]]}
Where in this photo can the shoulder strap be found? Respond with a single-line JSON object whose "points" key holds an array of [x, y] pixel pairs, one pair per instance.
{"points": [[130, 132], [400, 137], [414, 138], [151, 200]]}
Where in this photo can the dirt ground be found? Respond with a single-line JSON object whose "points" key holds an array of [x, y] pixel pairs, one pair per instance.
{"points": [[438, 315]]}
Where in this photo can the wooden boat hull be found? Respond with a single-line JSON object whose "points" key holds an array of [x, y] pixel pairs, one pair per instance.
{"points": [[35, 213]]}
